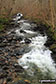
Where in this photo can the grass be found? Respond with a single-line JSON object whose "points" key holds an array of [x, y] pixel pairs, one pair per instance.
{"points": [[1, 27], [3, 20], [3, 23], [52, 33]]}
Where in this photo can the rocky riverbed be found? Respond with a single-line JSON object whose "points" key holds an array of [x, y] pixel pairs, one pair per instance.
{"points": [[14, 42]]}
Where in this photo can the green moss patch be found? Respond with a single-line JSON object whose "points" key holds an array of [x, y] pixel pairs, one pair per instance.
{"points": [[4, 20], [53, 46], [1, 27], [3, 23]]}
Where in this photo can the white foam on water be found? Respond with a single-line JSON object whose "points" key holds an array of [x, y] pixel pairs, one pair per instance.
{"points": [[30, 32], [16, 18], [39, 55], [21, 21], [18, 33], [26, 24]]}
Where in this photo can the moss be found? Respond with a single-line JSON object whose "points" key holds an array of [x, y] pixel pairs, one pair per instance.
{"points": [[54, 35], [53, 46], [1, 27], [4, 20], [3, 23]]}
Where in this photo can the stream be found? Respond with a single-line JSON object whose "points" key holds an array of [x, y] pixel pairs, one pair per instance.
{"points": [[36, 59], [39, 56]]}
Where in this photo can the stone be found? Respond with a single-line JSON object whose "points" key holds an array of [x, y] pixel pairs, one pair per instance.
{"points": [[9, 39], [22, 31], [27, 41], [53, 48], [18, 52], [3, 75], [18, 68], [5, 68], [1, 52], [1, 39], [49, 42], [54, 57], [9, 79], [3, 44], [20, 38]]}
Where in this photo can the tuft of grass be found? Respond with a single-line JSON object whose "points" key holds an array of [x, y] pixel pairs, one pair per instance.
{"points": [[1, 27], [3, 23], [53, 46], [54, 35], [4, 20]]}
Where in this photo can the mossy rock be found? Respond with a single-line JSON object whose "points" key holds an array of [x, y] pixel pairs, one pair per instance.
{"points": [[53, 46], [54, 36]]}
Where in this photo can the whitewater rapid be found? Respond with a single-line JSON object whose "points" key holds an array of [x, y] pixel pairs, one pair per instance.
{"points": [[39, 56]]}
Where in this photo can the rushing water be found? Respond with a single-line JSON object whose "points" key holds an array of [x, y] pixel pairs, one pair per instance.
{"points": [[39, 55]]}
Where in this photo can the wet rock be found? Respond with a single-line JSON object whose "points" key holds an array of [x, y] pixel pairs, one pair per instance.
{"points": [[2, 61], [1, 69], [9, 79], [9, 39], [7, 50], [5, 41], [5, 68], [54, 50], [27, 41], [1, 52], [22, 31], [9, 44], [20, 38], [41, 27], [19, 52], [18, 68], [54, 57], [14, 37], [49, 42], [3, 44], [1, 39], [3, 75]]}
